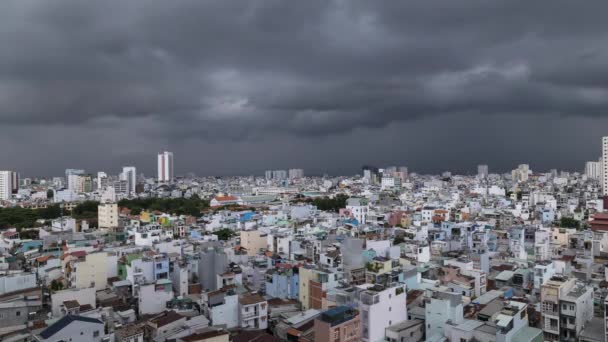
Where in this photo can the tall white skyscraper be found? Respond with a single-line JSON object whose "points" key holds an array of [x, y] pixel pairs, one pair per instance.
{"points": [[593, 169], [6, 187], [129, 174], [165, 167], [482, 171], [296, 173], [605, 166]]}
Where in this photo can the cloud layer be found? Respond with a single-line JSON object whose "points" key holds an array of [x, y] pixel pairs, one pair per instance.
{"points": [[219, 81]]}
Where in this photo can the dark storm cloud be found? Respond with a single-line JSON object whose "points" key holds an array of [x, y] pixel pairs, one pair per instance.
{"points": [[244, 71]]}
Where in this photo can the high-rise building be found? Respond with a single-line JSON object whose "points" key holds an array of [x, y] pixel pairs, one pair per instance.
{"points": [[71, 177], [102, 179], [482, 171], [605, 166], [6, 187], [129, 174], [593, 169], [296, 173], [14, 182], [165, 167], [268, 175], [403, 172], [279, 175], [521, 173], [389, 171]]}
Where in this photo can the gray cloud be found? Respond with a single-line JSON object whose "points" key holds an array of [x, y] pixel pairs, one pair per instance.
{"points": [[149, 75]]}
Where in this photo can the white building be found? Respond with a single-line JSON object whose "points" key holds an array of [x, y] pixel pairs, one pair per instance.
{"points": [[165, 167], [604, 166], [5, 185], [543, 271], [442, 306], [358, 207], [593, 169], [102, 179], [566, 307], [90, 271], [482, 171], [15, 282], [74, 328], [129, 174], [296, 173], [380, 307], [153, 298], [253, 311], [70, 177], [222, 308], [82, 296], [521, 173]]}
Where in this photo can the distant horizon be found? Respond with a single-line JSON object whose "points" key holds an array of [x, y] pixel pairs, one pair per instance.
{"points": [[360, 173]]}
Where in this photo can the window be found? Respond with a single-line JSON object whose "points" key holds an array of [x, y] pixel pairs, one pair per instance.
{"points": [[18, 313], [96, 333], [390, 309], [463, 339]]}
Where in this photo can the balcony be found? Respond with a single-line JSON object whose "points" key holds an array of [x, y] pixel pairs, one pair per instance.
{"points": [[250, 314]]}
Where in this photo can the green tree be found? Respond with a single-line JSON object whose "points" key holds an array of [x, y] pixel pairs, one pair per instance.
{"points": [[224, 234], [85, 210], [56, 285], [569, 222], [330, 204]]}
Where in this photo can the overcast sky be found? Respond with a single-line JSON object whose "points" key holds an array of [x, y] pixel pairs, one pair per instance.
{"points": [[236, 87]]}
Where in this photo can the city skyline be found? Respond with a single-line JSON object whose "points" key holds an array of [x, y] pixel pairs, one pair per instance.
{"points": [[238, 87]]}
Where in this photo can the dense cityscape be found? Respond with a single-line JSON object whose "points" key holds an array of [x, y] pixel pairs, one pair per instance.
{"points": [[303, 171], [386, 255]]}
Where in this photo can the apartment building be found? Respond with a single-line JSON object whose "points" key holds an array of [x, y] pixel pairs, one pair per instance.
{"points": [[253, 311], [441, 306], [107, 215], [340, 324], [380, 307], [566, 305]]}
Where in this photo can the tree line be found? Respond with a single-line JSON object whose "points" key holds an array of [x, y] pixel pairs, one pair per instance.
{"points": [[18, 217]]}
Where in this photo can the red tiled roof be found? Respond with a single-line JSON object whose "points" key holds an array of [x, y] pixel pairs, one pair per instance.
{"points": [[226, 198]]}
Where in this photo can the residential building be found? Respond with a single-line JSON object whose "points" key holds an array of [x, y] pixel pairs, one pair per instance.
{"points": [[165, 167], [380, 307], [129, 174], [566, 306], [339, 324], [482, 171], [73, 328], [107, 216], [253, 311], [296, 173], [6, 187], [605, 166]]}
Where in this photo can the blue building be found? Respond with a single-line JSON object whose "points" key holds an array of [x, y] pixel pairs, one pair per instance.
{"points": [[161, 266], [283, 283]]}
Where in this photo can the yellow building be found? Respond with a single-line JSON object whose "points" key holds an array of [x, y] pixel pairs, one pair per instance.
{"points": [[107, 215], [253, 241], [88, 271]]}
